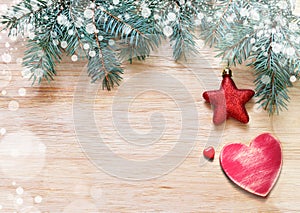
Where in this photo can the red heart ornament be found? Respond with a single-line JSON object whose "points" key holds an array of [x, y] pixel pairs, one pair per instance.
{"points": [[209, 152], [256, 167]]}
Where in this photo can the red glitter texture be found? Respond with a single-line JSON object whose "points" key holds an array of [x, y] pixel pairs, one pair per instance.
{"points": [[229, 101]]}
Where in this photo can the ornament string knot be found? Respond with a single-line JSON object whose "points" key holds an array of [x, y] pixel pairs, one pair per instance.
{"points": [[229, 101]]}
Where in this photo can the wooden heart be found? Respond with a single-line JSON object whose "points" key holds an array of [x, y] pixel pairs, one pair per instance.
{"points": [[254, 168]]}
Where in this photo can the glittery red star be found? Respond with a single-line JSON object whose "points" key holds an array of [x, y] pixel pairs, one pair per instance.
{"points": [[229, 101]]}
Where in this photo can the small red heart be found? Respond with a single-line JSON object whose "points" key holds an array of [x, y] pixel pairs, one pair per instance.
{"points": [[209, 152], [255, 168]]}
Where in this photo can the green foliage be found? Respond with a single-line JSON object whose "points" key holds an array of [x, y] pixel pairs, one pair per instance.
{"points": [[135, 35], [265, 34], [183, 37]]}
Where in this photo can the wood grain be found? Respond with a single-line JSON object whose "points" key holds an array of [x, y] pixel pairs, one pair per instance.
{"points": [[40, 151]]}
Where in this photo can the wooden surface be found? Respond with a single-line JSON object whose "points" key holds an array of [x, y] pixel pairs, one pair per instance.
{"points": [[43, 167]]}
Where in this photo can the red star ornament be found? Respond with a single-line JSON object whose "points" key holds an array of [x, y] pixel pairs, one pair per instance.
{"points": [[229, 101]]}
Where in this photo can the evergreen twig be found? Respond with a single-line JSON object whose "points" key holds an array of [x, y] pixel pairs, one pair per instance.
{"points": [[265, 34]]}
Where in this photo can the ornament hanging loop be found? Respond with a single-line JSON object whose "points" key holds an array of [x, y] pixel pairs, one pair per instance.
{"points": [[227, 71]]}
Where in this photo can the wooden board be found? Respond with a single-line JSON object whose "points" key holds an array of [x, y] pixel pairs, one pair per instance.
{"points": [[43, 166]]}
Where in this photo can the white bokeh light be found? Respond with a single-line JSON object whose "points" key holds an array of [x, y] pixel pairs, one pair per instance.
{"points": [[86, 46], [13, 105], [115, 2], [168, 31], [21, 156], [90, 28], [19, 190], [6, 57], [96, 193], [4, 92], [171, 16], [265, 79], [74, 58], [30, 209], [81, 205], [2, 131], [92, 53], [88, 13], [5, 78], [146, 12], [22, 91], [26, 73], [38, 199], [63, 44], [293, 79]]}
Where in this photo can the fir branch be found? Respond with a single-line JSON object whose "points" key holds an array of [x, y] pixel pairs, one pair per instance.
{"points": [[117, 26], [40, 58], [213, 34], [43, 52], [266, 33], [239, 50], [183, 38], [101, 57], [21, 14], [137, 36], [72, 48], [105, 66], [272, 80]]}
